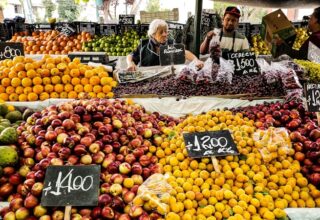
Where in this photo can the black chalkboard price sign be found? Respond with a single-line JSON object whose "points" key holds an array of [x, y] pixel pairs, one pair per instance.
{"points": [[312, 93], [71, 186], [206, 19], [66, 30], [172, 54], [126, 19], [210, 143], [10, 50], [244, 63]]}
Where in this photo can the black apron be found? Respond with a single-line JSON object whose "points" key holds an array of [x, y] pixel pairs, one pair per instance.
{"points": [[225, 53]]}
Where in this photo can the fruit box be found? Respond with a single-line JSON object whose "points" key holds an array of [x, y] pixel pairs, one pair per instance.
{"points": [[277, 23]]}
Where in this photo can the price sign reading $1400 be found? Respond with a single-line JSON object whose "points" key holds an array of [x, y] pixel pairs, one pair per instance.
{"points": [[312, 92], [10, 50], [212, 143], [71, 185]]}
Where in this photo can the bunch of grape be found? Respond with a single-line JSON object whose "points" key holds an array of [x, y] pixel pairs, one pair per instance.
{"points": [[312, 69]]}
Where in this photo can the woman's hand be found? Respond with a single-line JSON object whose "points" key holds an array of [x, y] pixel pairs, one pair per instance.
{"points": [[132, 67], [199, 64]]}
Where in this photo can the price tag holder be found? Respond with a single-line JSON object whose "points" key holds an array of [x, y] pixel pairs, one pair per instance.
{"points": [[71, 186], [313, 53], [312, 93], [172, 54], [86, 57], [66, 30], [126, 19], [10, 50], [245, 63]]}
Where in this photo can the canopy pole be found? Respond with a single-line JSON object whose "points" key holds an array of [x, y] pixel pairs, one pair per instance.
{"points": [[197, 24]]}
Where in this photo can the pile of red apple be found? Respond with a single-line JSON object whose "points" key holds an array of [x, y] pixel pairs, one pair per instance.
{"points": [[302, 126], [111, 133]]}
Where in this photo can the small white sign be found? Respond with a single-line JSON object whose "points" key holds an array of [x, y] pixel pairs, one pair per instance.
{"points": [[303, 213]]}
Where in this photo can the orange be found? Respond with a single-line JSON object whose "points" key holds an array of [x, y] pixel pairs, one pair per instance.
{"points": [[50, 66], [26, 82], [10, 63], [101, 95], [82, 70], [19, 90], [13, 97], [75, 81], [72, 65], [94, 80], [31, 73], [44, 96], [29, 66], [55, 80], [113, 83], [97, 89], [54, 71], [110, 95], [62, 66], [88, 73], [68, 88], [63, 95], [37, 80], [50, 60], [92, 95], [106, 80], [66, 79], [58, 88], [78, 88], [54, 95], [32, 96], [12, 74], [19, 67], [27, 90], [88, 88], [22, 74], [49, 88], [84, 81], [15, 82], [75, 73], [2, 89], [103, 74], [10, 90], [23, 98], [45, 72], [46, 80], [76, 60], [106, 89], [5, 73], [72, 95], [4, 96], [18, 59], [38, 89]]}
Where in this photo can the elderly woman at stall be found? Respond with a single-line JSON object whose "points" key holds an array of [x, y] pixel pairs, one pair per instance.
{"points": [[147, 53]]}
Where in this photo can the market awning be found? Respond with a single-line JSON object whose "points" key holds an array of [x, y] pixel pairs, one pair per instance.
{"points": [[276, 3]]}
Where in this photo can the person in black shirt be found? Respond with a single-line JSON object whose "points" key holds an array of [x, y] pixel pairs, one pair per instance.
{"points": [[147, 53]]}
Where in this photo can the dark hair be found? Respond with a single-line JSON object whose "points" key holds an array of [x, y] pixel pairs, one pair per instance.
{"points": [[316, 14]]}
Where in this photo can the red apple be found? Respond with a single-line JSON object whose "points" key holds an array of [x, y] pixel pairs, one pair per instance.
{"points": [[15, 179], [37, 188], [86, 159], [39, 211], [107, 212], [125, 168], [104, 199], [128, 197], [9, 216], [57, 215], [31, 201], [15, 204], [115, 189], [22, 213], [135, 211]]}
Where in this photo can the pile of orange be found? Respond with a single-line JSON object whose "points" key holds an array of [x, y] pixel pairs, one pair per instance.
{"points": [[25, 79], [51, 42]]}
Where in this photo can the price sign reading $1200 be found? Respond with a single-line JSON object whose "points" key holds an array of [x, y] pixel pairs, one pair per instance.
{"points": [[312, 92], [213, 143], [71, 185]]}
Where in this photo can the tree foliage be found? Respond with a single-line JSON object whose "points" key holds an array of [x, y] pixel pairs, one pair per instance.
{"points": [[153, 6], [68, 10], [49, 8]]}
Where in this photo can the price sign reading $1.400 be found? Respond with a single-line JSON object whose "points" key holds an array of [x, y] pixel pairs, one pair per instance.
{"points": [[71, 185], [212, 143], [312, 93]]}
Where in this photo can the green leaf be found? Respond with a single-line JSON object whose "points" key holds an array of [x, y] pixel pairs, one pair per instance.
{"points": [[171, 135], [231, 212], [243, 157]]}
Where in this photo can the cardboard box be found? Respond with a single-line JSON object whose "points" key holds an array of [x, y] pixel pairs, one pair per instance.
{"points": [[277, 23]]}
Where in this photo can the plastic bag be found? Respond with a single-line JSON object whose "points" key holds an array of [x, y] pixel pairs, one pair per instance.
{"points": [[272, 72], [188, 73], [156, 192], [214, 47], [273, 143], [205, 74], [290, 79], [225, 71], [294, 95]]}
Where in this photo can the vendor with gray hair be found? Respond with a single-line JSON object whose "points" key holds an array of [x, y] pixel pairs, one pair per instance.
{"points": [[147, 53]]}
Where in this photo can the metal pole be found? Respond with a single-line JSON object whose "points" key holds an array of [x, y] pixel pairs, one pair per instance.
{"points": [[197, 21]]}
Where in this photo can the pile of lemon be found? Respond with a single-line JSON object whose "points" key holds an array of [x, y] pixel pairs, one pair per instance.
{"points": [[241, 187], [25, 79]]}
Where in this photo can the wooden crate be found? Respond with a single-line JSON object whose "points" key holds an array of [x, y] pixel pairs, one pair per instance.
{"points": [[147, 17]]}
